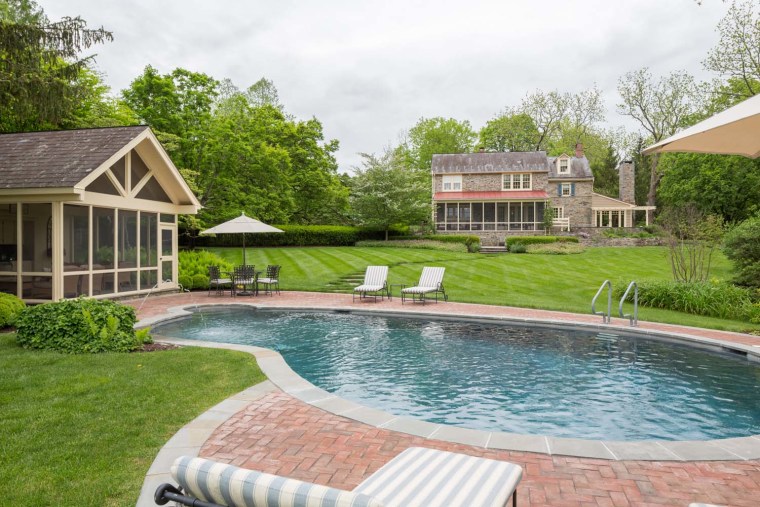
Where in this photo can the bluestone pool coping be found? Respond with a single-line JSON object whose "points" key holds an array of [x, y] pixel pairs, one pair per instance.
{"points": [[281, 376]]}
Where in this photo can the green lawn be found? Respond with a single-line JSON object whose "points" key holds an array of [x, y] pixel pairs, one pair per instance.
{"points": [[554, 282], [83, 430]]}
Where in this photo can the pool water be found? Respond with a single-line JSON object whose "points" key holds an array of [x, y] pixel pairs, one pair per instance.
{"points": [[502, 377]]}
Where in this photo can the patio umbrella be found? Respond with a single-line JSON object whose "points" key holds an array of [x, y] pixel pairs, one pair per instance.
{"points": [[735, 131], [241, 225]]}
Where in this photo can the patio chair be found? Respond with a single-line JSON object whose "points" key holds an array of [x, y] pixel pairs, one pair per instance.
{"points": [[418, 477], [431, 281], [271, 280], [375, 283], [244, 278], [216, 282]]}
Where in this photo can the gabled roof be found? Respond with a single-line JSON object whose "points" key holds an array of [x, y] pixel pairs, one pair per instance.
{"points": [[602, 201], [57, 159], [579, 168], [467, 163]]}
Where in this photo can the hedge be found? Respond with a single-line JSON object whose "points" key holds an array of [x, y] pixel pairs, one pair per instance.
{"points": [[10, 308], [470, 241], [82, 325], [193, 268], [298, 235], [538, 240]]}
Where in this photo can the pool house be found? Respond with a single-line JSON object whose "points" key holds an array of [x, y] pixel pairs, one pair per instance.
{"points": [[88, 212]]}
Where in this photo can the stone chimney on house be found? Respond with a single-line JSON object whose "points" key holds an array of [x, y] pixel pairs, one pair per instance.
{"points": [[627, 180], [578, 150]]}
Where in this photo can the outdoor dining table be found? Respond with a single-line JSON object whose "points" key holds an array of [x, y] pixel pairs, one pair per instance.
{"points": [[245, 282]]}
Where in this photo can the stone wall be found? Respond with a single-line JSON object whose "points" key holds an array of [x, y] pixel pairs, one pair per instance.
{"points": [[627, 178], [491, 182], [576, 207]]}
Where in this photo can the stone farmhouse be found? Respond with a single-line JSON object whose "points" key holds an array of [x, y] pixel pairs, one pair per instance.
{"points": [[497, 194]]}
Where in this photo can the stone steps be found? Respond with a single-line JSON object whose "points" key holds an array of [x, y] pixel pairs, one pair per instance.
{"points": [[493, 249]]}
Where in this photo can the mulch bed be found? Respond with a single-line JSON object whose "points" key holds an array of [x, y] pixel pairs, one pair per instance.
{"points": [[153, 347]]}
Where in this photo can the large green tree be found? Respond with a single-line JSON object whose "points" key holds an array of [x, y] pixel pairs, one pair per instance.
{"points": [[661, 108], [430, 136], [42, 72], [509, 131], [385, 192]]}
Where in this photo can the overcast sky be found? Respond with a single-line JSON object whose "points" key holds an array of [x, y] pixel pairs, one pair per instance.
{"points": [[369, 70]]}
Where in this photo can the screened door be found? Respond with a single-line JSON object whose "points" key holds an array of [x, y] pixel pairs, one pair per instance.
{"points": [[167, 258]]}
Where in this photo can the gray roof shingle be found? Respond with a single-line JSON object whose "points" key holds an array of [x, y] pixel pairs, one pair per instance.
{"points": [[514, 161], [58, 158], [579, 169]]}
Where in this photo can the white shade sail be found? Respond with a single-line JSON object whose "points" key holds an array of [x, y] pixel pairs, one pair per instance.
{"points": [[735, 131]]}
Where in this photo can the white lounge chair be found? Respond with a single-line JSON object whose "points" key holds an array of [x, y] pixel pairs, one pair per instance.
{"points": [[418, 477], [375, 283], [431, 280]]}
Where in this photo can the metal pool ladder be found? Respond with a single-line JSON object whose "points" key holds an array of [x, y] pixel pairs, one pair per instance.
{"points": [[634, 317], [606, 318]]}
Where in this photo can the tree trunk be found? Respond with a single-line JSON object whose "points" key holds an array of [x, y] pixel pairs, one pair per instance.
{"points": [[654, 182], [386, 234]]}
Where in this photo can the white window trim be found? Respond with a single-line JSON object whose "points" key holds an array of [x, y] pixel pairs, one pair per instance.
{"points": [[567, 187], [454, 182], [567, 166], [559, 211], [516, 178]]}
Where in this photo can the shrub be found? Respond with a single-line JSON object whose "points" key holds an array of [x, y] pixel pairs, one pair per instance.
{"points": [[10, 308], [472, 242], [713, 299], [76, 326], [555, 249], [517, 248], [742, 246], [303, 235], [623, 233], [538, 240], [416, 243], [193, 268]]}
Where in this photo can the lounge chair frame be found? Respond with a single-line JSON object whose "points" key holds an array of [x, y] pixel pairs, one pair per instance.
{"points": [[375, 284], [431, 282]]}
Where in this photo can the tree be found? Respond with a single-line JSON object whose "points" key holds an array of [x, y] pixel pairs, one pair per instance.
{"points": [[437, 135], [263, 93], [728, 186], [555, 112], [661, 108], [737, 55], [742, 246], [384, 192], [509, 132], [41, 66], [692, 238]]}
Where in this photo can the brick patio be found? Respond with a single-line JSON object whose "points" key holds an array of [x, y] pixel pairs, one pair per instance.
{"points": [[280, 434]]}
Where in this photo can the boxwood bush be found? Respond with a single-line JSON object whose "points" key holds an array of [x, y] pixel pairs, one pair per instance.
{"points": [[193, 268], [472, 242], [10, 308], [76, 326], [538, 240], [713, 299], [303, 235], [424, 244]]}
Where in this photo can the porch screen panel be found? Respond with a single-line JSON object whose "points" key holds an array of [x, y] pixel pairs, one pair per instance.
{"points": [[515, 215], [8, 284], [489, 215], [477, 216], [440, 216], [76, 238], [528, 215], [76, 285], [127, 239], [501, 216], [464, 216], [452, 216], [148, 240], [8, 244], [103, 223], [37, 238]]}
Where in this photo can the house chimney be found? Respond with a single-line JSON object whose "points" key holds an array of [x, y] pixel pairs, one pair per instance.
{"points": [[627, 175], [578, 150]]}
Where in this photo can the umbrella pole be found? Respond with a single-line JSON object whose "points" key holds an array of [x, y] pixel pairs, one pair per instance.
{"points": [[243, 249]]}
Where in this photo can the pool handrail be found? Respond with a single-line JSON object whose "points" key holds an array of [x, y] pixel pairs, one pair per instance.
{"points": [[634, 317], [606, 318]]}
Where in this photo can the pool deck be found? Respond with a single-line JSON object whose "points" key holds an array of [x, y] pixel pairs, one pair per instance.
{"points": [[288, 427]]}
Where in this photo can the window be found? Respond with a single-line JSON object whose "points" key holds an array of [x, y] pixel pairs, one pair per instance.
{"points": [[517, 181], [559, 212], [452, 183], [566, 189], [564, 166]]}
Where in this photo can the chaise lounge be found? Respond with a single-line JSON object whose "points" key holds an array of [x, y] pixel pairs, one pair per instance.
{"points": [[418, 477], [375, 283], [431, 281]]}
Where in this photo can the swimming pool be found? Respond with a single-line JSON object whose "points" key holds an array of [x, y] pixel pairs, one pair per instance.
{"points": [[500, 377]]}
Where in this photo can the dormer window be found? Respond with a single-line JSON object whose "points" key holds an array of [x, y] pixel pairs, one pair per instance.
{"points": [[563, 165], [452, 183]]}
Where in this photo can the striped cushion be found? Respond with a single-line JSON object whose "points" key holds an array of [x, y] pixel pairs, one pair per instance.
{"points": [[430, 478], [431, 277], [232, 486], [369, 288], [419, 290], [376, 276]]}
